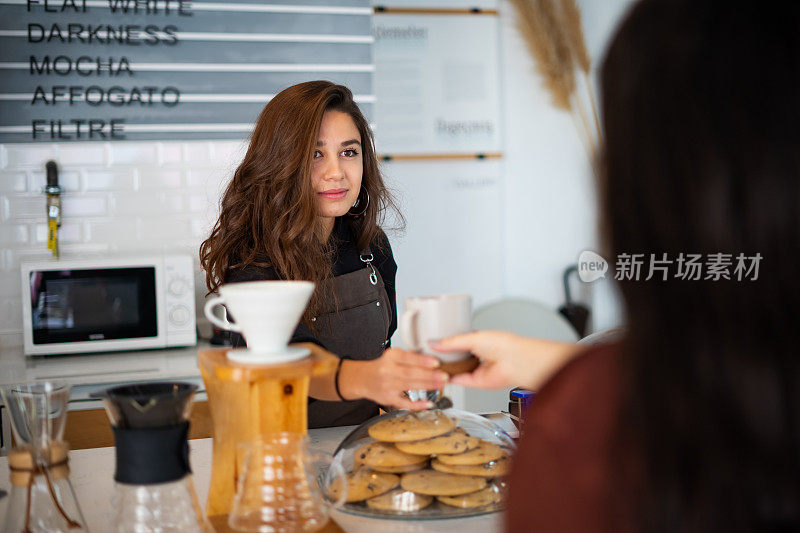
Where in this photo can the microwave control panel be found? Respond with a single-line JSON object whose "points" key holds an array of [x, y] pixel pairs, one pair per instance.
{"points": [[179, 300]]}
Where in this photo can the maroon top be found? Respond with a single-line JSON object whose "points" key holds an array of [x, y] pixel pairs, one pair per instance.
{"points": [[561, 477]]}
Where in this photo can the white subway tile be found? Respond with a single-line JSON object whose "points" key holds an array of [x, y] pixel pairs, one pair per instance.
{"points": [[210, 178], [181, 246], [174, 202], [200, 228], [69, 180], [134, 154], [11, 234], [144, 245], [12, 341], [144, 204], [229, 153], [129, 246], [155, 196], [82, 251], [197, 152], [84, 206], [209, 218], [120, 179], [82, 154], [188, 246], [10, 285], [157, 229], [111, 230], [170, 153], [15, 256], [13, 182], [30, 155], [10, 315], [67, 233], [198, 203], [155, 178], [27, 207]]}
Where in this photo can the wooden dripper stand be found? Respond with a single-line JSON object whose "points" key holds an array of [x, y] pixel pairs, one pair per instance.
{"points": [[251, 392]]}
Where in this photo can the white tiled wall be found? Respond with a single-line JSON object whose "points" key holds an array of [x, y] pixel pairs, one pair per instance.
{"points": [[119, 197]]}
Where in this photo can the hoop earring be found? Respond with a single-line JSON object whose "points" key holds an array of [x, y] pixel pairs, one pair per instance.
{"points": [[358, 202]]}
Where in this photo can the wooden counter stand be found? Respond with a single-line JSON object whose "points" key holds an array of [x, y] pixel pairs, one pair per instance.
{"points": [[247, 401]]}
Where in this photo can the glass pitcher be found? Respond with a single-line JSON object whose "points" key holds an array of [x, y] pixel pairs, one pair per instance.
{"points": [[282, 486], [42, 498], [154, 489]]}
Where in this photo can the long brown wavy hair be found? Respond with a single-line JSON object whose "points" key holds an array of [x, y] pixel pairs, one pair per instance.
{"points": [[268, 215], [701, 110]]}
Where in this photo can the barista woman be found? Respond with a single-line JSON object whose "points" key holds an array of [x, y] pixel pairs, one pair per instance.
{"points": [[305, 204]]}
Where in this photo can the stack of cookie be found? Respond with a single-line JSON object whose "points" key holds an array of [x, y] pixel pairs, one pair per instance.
{"points": [[420, 457]]}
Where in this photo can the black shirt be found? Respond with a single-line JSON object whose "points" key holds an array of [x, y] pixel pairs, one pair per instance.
{"points": [[346, 259]]}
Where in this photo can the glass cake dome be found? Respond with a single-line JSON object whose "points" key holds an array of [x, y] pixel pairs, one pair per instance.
{"points": [[422, 465]]}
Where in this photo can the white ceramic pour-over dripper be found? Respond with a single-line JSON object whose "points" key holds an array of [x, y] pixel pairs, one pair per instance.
{"points": [[266, 314]]}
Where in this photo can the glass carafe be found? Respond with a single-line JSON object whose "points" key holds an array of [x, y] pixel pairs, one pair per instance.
{"points": [[154, 490], [42, 498], [282, 485]]}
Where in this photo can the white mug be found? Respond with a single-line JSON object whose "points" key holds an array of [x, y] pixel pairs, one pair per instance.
{"points": [[266, 312], [430, 318]]}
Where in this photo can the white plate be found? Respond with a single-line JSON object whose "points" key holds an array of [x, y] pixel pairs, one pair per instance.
{"points": [[245, 355]]}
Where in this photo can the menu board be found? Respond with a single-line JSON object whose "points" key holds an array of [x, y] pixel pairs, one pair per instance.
{"points": [[437, 83], [98, 70], [435, 5]]}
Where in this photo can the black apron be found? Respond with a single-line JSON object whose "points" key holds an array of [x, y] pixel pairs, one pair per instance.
{"points": [[354, 326]]}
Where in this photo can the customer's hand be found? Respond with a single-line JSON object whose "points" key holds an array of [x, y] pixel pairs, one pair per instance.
{"points": [[508, 360], [384, 380]]}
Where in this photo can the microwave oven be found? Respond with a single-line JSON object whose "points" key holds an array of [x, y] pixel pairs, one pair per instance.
{"points": [[107, 304]]}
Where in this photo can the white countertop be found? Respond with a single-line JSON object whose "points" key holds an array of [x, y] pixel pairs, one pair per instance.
{"points": [[105, 367], [92, 478], [88, 373]]}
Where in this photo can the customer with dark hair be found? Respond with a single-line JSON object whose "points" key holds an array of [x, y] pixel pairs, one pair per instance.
{"points": [[692, 422], [306, 204]]}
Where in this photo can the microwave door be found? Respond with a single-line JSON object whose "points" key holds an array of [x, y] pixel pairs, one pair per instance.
{"points": [[78, 310]]}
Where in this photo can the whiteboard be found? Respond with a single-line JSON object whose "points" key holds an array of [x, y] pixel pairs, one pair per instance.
{"points": [[436, 84], [453, 239], [438, 4]]}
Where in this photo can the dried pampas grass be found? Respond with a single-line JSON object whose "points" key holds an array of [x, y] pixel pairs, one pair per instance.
{"points": [[553, 33], [573, 30], [547, 45]]}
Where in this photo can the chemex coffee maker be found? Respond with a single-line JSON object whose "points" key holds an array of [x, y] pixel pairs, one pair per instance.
{"points": [[258, 395], [153, 483], [42, 498]]}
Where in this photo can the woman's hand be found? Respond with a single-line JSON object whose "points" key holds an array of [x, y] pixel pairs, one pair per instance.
{"points": [[384, 380], [508, 360]]}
